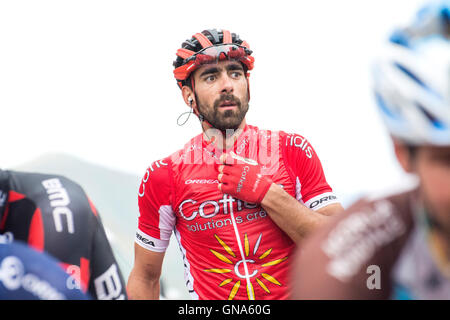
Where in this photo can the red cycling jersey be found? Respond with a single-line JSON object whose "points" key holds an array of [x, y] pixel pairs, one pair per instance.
{"points": [[231, 249]]}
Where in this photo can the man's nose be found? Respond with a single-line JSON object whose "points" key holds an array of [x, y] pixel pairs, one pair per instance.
{"points": [[226, 84]]}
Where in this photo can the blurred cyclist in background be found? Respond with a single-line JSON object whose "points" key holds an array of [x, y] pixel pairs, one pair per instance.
{"points": [[27, 274], [52, 214], [397, 246]]}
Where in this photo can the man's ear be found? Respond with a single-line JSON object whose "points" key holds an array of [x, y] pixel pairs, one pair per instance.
{"points": [[188, 96], [403, 155]]}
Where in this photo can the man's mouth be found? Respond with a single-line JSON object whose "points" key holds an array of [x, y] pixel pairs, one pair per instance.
{"points": [[227, 104]]}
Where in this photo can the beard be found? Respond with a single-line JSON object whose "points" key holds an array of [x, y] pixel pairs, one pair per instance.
{"points": [[228, 119]]}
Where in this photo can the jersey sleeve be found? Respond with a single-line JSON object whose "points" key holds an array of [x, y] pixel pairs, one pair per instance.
{"points": [[107, 282], [304, 166], [156, 216]]}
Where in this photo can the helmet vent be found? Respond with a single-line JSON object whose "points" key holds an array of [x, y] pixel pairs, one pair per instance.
{"points": [[416, 79], [410, 74], [436, 123], [382, 104]]}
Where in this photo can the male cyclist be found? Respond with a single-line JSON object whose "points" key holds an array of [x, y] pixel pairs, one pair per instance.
{"points": [[397, 246], [237, 198]]}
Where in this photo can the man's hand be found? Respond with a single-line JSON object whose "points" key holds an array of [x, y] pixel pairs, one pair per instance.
{"points": [[241, 178]]}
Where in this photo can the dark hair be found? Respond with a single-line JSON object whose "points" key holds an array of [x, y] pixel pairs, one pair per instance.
{"points": [[216, 37]]}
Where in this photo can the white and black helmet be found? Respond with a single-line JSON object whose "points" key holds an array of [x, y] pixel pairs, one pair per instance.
{"points": [[411, 79]]}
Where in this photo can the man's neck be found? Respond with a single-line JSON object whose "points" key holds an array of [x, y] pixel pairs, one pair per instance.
{"points": [[222, 139]]}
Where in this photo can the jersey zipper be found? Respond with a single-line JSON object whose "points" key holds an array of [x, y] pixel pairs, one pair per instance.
{"points": [[244, 261]]}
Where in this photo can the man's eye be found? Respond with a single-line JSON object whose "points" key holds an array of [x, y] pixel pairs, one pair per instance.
{"points": [[210, 78], [236, 74]]}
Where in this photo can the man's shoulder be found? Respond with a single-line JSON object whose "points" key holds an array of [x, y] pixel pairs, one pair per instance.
{"points": [[32, 184], [158, 170], [156, 174], [293, 139], [296, 146], [47, 192], [192, 145], [396, 207]]}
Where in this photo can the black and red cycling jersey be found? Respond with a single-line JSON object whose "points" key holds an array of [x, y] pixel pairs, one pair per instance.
{"points": [[53, 214]]}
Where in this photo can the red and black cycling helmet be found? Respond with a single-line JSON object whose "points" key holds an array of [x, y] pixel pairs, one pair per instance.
{"points": [[207, 47]]}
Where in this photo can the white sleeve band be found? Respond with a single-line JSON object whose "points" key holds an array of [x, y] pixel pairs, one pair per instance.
{"points": [[322, 200], [150, 243], [167, 221]]}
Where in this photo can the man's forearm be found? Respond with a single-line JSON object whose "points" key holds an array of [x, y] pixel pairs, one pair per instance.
{"points": [[139, 288], [296, 220]]}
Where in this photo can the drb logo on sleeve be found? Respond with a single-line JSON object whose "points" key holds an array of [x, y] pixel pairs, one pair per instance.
{"points": [[108, 285]]}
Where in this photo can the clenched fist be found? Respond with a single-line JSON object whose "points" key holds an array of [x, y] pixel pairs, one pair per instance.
{"points": [[241, 178]]}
